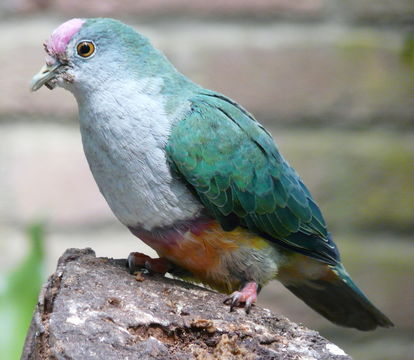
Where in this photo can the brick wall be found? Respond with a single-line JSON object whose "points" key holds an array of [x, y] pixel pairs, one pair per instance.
{"points": [[307, 61], [333, 80]]}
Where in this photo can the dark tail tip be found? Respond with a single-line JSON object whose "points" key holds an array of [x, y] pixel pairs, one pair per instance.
{"points": [[341, 302]]}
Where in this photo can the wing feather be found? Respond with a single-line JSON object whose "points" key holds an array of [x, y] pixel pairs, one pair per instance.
{"points": [[233, 165]]}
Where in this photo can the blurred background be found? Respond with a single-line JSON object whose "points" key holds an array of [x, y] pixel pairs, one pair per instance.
{"points": [[332, 80]]}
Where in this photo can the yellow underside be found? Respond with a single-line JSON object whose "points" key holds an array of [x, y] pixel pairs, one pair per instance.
{"points": [[300, 268]]}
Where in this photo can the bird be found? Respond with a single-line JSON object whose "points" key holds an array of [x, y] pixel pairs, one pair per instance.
{"points": [[195, 176]]}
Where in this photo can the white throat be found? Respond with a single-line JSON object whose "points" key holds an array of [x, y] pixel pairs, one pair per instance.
{"points": [[124, 132]]}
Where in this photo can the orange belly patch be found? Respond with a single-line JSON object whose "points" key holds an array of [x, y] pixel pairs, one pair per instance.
{"points": [[201, 252]]}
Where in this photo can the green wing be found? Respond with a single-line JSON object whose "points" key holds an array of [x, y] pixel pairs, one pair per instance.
{"points": [[232, 163]]}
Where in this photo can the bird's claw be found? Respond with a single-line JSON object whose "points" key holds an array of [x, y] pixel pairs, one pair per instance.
{"points": [[245, 297], [233, 300], [138, 261]]}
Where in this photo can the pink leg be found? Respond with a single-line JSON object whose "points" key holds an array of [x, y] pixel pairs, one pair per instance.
{"points": [[247, 296], [138, 261]]}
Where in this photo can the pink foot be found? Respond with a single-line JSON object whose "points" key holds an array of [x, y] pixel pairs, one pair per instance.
{"points": [[247, 296], [137, 261]]}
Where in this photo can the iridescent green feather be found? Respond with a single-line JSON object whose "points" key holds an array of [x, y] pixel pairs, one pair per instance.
{"points": [[234, 166]]}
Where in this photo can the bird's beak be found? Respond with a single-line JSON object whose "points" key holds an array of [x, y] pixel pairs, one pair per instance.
{"points": [[46, 73]]}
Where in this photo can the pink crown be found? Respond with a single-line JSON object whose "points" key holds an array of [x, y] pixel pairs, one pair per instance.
{"points": [[58, 41]]}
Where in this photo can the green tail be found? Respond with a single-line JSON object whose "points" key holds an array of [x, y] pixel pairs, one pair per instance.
{"points": [[340, 301]]}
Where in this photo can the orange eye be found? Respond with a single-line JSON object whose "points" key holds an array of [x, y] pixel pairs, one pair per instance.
{"points": [[85, 48]]}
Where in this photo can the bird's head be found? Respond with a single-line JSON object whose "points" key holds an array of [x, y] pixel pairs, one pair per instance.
{"points": [[83, 54]]}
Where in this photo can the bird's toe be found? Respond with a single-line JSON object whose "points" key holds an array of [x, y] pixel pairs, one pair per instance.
{"points": [[246, 297], [138, 261]]}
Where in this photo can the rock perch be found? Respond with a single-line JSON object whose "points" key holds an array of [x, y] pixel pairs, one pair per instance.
{"points": [[92, 308]]}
